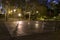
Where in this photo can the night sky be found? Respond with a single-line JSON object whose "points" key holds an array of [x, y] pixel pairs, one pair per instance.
{"points": [[46, 2]]}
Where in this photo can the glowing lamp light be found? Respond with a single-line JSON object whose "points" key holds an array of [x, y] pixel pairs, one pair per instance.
{"points": [[19, 14], [36, 25], [37, 11], [11, 11], [14, 10]]}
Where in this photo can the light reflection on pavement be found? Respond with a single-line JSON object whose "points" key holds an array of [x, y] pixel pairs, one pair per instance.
{"points": [[21, 28]]}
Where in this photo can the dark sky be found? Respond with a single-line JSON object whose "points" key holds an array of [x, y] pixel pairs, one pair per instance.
{"points": [[23, 1]]}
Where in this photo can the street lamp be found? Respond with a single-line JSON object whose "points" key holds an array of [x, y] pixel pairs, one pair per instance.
{"points": [[11, 11], [14, 10], [19, 15]]}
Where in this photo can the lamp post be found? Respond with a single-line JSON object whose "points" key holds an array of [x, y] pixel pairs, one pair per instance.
{"points": [[5, 17], [29, 15]]}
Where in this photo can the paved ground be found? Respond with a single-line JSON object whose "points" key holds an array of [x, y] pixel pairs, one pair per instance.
{"points": [[5, 34], [43, 36]]}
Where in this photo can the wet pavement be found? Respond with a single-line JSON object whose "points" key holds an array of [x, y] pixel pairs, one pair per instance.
{"points": [[28, 30], [21, 28]]}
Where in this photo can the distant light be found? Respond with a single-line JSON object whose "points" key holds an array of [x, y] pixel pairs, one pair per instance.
{"points": [[36, 25], [19, 22], [11, 11], [28, 22], [28, 12], [54, 17], [37, 11], [19, 14], [14, 10]]}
